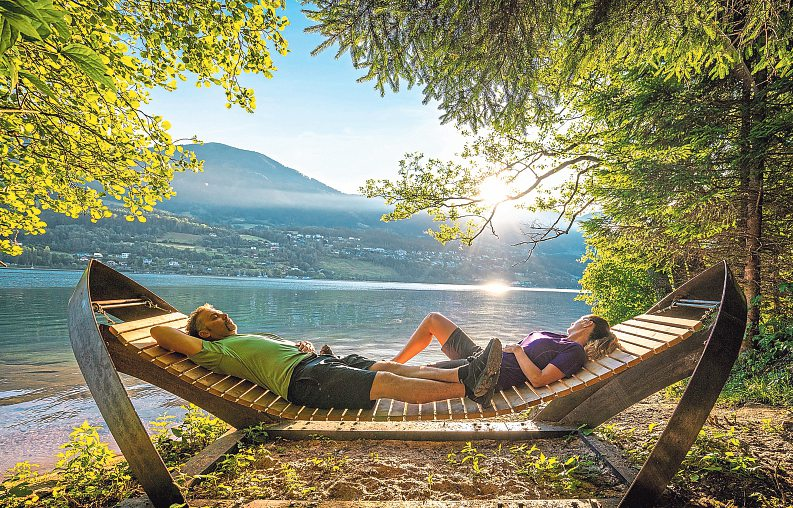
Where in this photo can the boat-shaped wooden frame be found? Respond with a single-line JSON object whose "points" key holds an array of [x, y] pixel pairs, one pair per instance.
{"points": [[694, 331]]}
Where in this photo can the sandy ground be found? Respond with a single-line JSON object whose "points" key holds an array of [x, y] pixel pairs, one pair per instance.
{"points": [[324, 470]]}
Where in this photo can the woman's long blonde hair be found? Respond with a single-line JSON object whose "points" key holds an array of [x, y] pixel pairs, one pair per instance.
{"points": [[602, 340]]}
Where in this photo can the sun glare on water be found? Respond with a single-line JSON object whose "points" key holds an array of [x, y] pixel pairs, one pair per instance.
{"points": [[495, 287]]}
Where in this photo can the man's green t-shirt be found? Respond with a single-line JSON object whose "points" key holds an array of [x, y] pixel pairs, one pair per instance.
{"points": [[267, 360]]}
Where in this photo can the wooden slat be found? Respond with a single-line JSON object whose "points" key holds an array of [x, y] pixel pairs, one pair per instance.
{"points": [[291, 411], [234, 392], [194, 375], [303, 413], [513, 399], [102, 303], [653, 345], [636, 350], [529, 398], [586, 377], [142, 333], [598, 370], [458, 408], [179, 367], [207, 381], [223, 385], [472, 409], [165, 361], [153, 352], [413, 411], [335, 415], [648, 334], [444, 410], [397, 410], [611, 364], [277, 406], [120, 328], [690, 323], [558, 388], [382, 409], [369, 414], [143, 343], [528, 392], [501, 403], [264, 400], [625, 357], [658, 327], [250, 397]]}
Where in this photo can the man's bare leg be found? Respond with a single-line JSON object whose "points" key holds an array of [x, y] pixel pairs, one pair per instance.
{"points": [[434, 325], [411, 390], [417, 372]]}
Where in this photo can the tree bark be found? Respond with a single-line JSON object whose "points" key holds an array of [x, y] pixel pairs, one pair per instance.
{"points": [[753, 165]]}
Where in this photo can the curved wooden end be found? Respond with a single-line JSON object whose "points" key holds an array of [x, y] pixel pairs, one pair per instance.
{"points": [[703, 389], [114, 404]]}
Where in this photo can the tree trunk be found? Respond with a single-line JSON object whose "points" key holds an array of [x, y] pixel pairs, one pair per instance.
{"points": [[753, 165]]}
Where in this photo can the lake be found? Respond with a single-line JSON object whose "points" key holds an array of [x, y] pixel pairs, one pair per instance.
{"points": [[43, 395]]}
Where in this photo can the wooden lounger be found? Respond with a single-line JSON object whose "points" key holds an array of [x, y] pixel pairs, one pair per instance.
{"points": [[696, 329]]}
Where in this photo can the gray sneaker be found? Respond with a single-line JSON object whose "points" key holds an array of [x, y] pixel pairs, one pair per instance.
{"points": [[480, 383]]}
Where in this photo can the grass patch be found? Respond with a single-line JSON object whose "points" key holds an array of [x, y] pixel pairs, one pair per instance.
{"points": [[358, 269], [181, 238]]}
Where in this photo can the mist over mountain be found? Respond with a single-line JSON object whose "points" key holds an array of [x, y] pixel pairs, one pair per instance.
{"points": [[245, 186]]}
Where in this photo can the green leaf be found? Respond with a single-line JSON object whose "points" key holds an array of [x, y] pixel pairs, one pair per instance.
{"points": [[8, 36], [13, 72], [39, 84], [21, 22], [89, 62]]}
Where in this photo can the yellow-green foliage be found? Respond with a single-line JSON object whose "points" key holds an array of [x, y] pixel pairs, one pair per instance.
{"points": [[88, 475], [74, 81], [176, 443]]}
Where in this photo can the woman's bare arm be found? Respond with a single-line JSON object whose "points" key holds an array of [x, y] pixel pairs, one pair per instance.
{"points": [[535, 375]]}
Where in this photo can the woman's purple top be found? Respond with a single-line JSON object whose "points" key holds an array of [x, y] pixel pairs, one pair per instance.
{"points": [[542, 348]]}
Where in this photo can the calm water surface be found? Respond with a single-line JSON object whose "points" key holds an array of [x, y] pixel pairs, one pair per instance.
{"points": [[43, 395]]}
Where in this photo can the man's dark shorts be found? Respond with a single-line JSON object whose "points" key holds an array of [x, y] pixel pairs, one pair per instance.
{"points": [[329, 381]]}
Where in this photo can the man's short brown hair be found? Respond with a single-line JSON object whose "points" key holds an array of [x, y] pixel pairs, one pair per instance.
{"points": [[192, 327]]}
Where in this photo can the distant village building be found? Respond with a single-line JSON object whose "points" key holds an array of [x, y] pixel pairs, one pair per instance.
{"points": [[97, 255], [175, 264], [125, 255]]}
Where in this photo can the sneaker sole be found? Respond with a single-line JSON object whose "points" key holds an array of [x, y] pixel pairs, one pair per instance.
{"points": [[491, 371]]}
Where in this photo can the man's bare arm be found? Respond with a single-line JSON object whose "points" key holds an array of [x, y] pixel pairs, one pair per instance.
{"points": [[176, 340]]}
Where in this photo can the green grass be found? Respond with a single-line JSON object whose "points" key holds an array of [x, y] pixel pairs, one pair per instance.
{"points": [[353, 268], [182, 238]]}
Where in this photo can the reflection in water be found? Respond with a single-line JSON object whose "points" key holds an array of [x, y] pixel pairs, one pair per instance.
{"points": [[43, 395]]}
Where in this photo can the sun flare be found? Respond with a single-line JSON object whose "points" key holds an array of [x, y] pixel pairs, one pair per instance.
{"points": [[493, 191]]}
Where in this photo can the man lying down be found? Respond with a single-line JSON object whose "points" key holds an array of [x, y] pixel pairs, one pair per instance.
{"points": [[296, 373]]}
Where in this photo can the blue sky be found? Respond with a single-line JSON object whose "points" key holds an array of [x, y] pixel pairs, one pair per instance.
{"points": [[314, 117]]}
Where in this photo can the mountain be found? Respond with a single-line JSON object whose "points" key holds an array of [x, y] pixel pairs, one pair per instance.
{"points": [[245, 186]]}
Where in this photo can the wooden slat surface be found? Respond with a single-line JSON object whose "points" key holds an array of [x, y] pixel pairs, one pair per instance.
{"points": [[674, 329], [652, 345], [120, 328], [640, 338], [648, 334], [689, 323], [142, 333]]}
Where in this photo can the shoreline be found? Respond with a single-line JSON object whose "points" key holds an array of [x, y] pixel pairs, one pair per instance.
{"points": [[418, 286]]}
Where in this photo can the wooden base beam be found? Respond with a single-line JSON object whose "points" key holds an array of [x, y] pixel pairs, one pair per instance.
{"points": [[474, 503], [419, 431], [206, 459]]}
